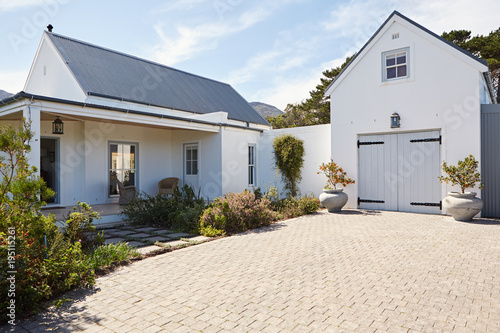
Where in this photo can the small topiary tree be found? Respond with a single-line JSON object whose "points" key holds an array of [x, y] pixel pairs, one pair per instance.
{"points": [[289, 159], [464, 174]]}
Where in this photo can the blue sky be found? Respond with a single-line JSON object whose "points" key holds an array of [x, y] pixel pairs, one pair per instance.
{"points": [[270, 51]]}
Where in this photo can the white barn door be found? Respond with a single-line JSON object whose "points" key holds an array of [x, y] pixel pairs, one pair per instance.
{"points": [[400, 172]]}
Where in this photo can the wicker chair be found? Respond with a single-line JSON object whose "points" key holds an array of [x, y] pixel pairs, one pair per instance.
{"points": [[168, 185], [126, 193]]}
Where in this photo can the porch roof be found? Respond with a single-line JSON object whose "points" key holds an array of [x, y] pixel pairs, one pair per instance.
{"points": [[126, 115]]}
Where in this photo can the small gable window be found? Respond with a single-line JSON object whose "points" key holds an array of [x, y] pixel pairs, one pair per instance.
{"points": [[395, 65]]}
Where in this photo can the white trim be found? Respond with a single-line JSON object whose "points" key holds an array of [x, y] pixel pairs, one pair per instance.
{"points": [[395, 53], [254, 164], [136, 162]]}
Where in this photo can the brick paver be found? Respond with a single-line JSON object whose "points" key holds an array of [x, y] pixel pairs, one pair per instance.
{"points": [[350, 272]]}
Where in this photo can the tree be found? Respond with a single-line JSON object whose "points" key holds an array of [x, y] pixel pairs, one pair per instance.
{"points": [[313, 111], [33, 253], [484, 47], [289, 159]]}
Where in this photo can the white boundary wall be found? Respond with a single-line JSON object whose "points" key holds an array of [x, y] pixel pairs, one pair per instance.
{"points": [[317, 145]]}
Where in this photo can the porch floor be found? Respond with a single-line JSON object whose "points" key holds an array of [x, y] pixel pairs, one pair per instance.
{"points": [[103, 209]]}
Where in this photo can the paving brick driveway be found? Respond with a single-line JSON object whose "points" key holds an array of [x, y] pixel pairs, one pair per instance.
{"points": [[350, 272]]}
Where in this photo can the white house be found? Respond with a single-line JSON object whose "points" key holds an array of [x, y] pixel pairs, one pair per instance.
{"points": [[134, 119], [432, 89]]}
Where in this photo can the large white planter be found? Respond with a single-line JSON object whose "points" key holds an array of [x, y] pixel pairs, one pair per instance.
{"points": [[462, 206], [333, 200]]}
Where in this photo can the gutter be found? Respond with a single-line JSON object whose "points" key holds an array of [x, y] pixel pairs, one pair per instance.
{"points": [[489, 83], [23, 95]]}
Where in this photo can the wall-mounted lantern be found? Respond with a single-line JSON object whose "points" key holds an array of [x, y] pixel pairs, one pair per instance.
{"points": [[57, 126], [395, 120]]}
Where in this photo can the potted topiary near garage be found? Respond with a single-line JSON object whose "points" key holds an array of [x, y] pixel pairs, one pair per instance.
{"points": [[462, 206], [334, 198]]}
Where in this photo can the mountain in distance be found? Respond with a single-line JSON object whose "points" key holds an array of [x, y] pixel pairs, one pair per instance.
{"points": [[4, 94], [266, 110]]}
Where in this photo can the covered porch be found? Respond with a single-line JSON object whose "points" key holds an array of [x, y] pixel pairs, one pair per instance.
{"points": [[99, 143]]}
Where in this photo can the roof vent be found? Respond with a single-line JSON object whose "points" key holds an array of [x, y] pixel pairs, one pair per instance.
{"points": [[395, 36], [50, 27]]}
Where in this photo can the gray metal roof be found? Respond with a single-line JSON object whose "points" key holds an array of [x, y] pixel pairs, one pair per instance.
{"points": [[111, 74]]}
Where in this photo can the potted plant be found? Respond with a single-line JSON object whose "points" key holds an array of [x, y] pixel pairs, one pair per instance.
{"points": [[462, 206], [334, 198]]}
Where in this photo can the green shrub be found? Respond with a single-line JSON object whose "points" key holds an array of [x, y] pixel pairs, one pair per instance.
{"points": [[180, 211], [236, 212], [105, 255], [292, 206], [46, 263], [79, 227]]}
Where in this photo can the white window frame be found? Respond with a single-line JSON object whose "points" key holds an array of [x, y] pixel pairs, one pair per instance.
{"points": [[192, 172], [395, 53], [135, 169], [252, 165]]}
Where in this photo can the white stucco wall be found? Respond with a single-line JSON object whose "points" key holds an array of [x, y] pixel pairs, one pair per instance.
{"points": [[317, 151], [234, 168], [209, 161], [49, 75], [84, 158], [442, 93]]}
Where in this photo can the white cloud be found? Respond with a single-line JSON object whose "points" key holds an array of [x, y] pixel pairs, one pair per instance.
{"points": [[286, 90], [185, 41], [479, 16], [13, 82]]}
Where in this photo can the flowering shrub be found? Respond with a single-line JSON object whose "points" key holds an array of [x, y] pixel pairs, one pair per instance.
{"points": [[335, 175], [464, 174], [235, 212], [181, 211]]}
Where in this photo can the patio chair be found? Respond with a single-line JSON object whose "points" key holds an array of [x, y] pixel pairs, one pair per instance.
{"points": [[126, 193], [168, 185]]}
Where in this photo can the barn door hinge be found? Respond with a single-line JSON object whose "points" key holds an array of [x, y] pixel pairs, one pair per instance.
{"points": [[366, 143], [428, 140], [429, 204], [369, 201]]}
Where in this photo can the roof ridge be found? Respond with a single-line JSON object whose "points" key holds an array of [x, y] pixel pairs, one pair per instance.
{"points": [[421, 27], [133, 57]]}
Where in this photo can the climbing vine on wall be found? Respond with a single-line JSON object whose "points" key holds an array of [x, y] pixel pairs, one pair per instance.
{"points": [[289, 159]]}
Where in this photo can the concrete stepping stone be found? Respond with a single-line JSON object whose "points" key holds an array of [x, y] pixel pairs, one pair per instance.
{"points": [[110, 230], [175, 243], [113, 240], [139, 235], [178, 235], [145, 229], [136, 244], [148, 249], [157, 239], [199, 238], [121, 232]]}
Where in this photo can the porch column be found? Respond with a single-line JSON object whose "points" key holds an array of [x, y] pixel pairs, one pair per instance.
{"points": [[32, 113]]}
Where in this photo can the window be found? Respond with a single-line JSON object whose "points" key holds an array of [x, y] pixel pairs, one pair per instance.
{"points": [[395, 64], [191, 159], [122, 165], [251, 165]]}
